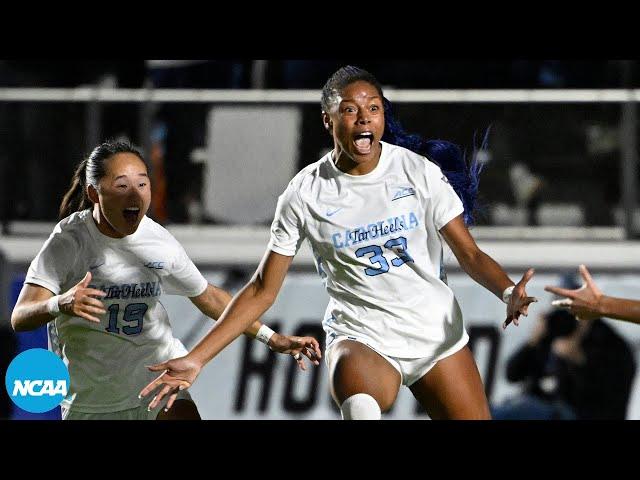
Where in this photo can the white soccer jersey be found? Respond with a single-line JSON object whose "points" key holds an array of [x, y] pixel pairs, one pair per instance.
{"points": [[107, 361], [376, 242]]}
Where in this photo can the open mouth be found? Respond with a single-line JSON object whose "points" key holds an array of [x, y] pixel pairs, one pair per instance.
{"points": [[131, 214], [363, 142]]}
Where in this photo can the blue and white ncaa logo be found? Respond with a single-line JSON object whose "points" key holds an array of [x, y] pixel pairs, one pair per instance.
{"points": [[37, 380]]}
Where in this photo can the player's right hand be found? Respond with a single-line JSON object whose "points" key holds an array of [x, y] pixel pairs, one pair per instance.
{"points": [[177, 374], [79, 301]]}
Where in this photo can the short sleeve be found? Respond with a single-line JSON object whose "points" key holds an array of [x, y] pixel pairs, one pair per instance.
{"points": [[54, 262], [446, 204], [287, 229], [184, 278]]}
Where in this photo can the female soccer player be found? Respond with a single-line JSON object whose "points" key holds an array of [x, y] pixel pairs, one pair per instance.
{"points": [[375, 213], [97, 282]]}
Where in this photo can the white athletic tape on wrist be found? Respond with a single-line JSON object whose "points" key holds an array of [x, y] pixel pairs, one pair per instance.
{"points": [[264, 334], [53, 307], [506, 295]]}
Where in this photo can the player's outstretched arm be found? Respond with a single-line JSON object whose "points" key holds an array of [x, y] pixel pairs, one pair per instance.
{"points": [[486, 271], [245, 308], [214, 300]]}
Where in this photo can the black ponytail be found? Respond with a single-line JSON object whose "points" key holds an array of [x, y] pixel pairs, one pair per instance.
{"points": [[76, 199]]}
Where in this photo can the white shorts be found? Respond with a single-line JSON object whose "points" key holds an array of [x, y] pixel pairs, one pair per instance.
{"points": [[411, 369], [135, 413]]}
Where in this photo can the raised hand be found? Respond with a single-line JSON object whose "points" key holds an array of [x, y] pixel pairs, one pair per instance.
{"points": [[79, 301], [584, 302], [519, 301]]}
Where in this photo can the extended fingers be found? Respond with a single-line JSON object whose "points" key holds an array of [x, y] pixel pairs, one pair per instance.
{"points": [[315, 346], [156, 400], [587, 277], [86, 306], [311, 354], [526, 277], [511, 318], [87, 316], [508, 321], [92, 301], [525, 305], [86, 280], [563, 292], [94, 293], [93, 308], [311, 349], [172, 398], [151, 386]]}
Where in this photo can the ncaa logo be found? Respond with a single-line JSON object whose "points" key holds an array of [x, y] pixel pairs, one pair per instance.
{"points": [[37, 380]]}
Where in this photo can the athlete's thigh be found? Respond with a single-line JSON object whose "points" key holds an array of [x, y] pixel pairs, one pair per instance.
{"points": [[182, 409], [356, 368], [453, 389]]}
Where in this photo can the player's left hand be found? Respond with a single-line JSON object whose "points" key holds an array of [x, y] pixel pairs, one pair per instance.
{"points": [[298, 347], [519, 301], [585, 302]]}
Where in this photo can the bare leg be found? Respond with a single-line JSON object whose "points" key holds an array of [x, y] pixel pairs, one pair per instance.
{"points": [[453, 390], [355, 368]]}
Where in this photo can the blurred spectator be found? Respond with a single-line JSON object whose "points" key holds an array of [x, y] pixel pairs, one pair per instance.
{"points": [[537, 368], [528, 189], [570, 370]]}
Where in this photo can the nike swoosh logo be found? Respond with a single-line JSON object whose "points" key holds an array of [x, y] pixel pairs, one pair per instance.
{"points": [[402, 196], [331, 213]]}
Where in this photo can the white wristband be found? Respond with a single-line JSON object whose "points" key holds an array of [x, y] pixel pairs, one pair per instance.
{"points": [[506, 295], [53, 307], [264, 334]]}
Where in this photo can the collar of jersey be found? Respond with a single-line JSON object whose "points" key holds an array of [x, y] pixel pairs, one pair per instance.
{"points": [[374, 174], [99, 236]]}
